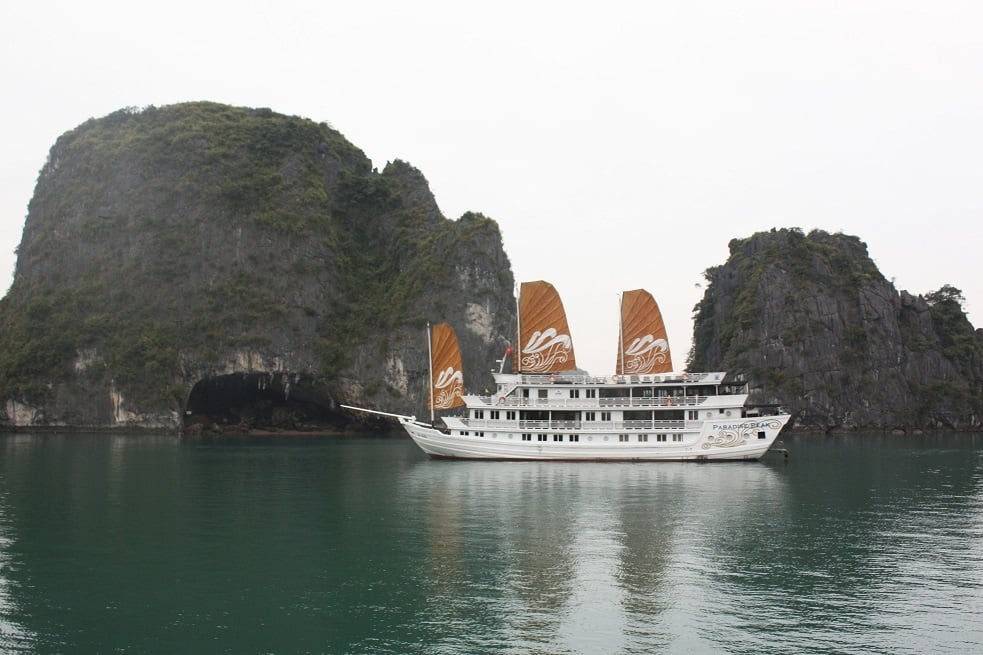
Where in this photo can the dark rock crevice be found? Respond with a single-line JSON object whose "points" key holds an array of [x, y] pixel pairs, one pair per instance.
{"points": [[261, 401]]}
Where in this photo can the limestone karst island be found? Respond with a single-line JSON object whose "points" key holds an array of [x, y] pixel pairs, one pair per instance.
{"points": [[206, 268]]}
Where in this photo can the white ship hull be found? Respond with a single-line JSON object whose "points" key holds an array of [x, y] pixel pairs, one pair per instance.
{"points": [[742, 439]]}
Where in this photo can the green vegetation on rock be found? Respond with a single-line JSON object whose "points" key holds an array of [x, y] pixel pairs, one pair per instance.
{"points": [[165, 245], [812, 325]]}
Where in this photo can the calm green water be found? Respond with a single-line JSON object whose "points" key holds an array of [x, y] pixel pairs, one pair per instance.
{"points": [[160, 545]]}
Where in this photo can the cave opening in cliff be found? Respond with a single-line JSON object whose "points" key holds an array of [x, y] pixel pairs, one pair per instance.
{"points": [[244, 402]]}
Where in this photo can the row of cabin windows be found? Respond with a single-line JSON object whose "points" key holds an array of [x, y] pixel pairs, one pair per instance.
{"points": [[527, 436], [644, 437], [494, 414], [588, 416], [621, 393], [592, 393], [662, 438], [574, 393]]}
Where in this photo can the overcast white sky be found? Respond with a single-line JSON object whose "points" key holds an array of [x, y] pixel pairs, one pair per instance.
{"points": [[618, 144]]}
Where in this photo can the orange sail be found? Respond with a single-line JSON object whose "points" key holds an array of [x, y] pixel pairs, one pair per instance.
{"points": [[545, 345], [644, 345], [447, 377]]}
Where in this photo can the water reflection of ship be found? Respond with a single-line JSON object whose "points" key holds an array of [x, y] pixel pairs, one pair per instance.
{"points": [[490, 550], [551, 552]]}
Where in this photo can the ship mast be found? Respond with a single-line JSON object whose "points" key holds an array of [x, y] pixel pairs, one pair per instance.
{"points": [[621, 337], [518, 338], [430, 358]]}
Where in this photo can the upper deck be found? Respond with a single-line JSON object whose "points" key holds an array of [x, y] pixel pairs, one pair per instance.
{"points": [[572, 391], [576, 378]]}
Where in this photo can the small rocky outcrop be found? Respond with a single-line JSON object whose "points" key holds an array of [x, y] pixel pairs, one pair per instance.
{"points": [[813, 326], [201, 266]]}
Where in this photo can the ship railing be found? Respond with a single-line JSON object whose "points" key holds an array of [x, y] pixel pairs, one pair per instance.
{"points": [[580, 378], [584, 426], [655, 401], [654, 425]]}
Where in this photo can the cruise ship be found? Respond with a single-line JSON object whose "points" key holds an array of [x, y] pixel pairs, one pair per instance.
{"points": [[546, 408]]}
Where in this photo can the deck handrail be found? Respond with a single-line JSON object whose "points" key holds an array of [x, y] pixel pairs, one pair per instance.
{"points": [[573, 426], [715, 377], [669, 402]]}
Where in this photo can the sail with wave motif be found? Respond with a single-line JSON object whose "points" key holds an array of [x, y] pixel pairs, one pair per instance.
{"points": [[545, 345], [447, 377], [643, 347]]}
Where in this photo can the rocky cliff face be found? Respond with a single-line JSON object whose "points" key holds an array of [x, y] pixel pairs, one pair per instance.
{"points": [[201, 265], [813, 326]]}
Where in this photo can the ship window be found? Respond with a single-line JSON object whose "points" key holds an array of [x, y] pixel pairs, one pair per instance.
{"points": [[588, 416], [677, 437], [557, 437], [574, 437], [605, 416], [541, 393], [510, 416], [762, 435], [660, 437], [694, 415], [479, 434], [541, 437], [643, 437], [622, 437], [590, 393], [479, 413], [493, 414], [575, 393], [526, 436]]}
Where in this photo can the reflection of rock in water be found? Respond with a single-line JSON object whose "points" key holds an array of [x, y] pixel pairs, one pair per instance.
{"points": [[563, 555], [13, 636]]}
